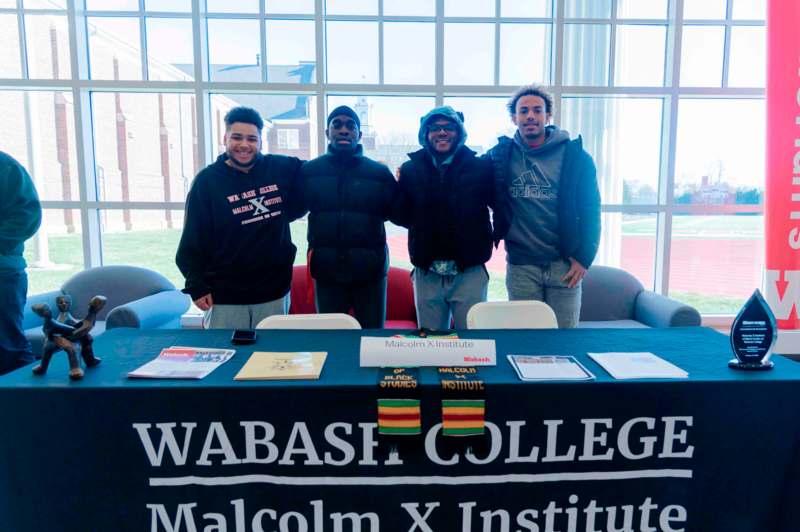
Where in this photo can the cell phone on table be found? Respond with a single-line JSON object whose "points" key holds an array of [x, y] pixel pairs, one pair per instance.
{"points": [[243, 336]]}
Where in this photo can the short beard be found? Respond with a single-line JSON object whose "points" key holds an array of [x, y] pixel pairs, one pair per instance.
{"points": [[235, 164], [538, 139], [442, 154]]}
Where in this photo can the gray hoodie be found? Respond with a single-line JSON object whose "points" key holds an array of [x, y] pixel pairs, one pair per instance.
{"points": [[535, 177]]}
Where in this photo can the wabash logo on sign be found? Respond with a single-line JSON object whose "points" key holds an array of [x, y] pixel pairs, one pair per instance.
{"points": [[782, 292], [782, 211], [195, 468]]}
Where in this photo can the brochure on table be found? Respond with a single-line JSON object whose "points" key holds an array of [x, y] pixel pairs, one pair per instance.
{"points": [[178, 362], [264, 365], [426, 351], [638, 366], [545, 368]]}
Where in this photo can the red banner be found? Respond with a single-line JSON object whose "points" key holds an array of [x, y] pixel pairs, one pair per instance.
{"points": [[782, 187]]}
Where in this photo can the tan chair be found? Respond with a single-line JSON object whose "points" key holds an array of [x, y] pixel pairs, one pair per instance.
{"points": [[309, 321], [511, 315]]}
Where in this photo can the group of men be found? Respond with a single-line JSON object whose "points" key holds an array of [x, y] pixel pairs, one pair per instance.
{"points": [[537, 191], [236, 250]]}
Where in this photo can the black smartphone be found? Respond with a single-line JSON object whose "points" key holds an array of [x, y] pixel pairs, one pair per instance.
{"points": [[243, 336]]}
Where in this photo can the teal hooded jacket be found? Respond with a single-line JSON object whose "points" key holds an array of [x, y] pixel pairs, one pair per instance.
{"points": [[20, 213]]}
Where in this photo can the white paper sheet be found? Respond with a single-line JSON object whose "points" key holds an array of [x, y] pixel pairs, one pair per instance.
{"points": [[638, 366]]}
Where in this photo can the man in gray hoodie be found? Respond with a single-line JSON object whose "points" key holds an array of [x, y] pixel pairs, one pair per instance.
{"points": [[444, 199], [548, 207]]}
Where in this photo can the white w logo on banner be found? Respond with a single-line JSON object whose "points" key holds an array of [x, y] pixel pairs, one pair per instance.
{"points": [[782, 306], [258, 203]]}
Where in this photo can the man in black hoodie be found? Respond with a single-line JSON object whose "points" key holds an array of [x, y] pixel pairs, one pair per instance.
{"points": [[445, 195], [348, 197], [236, 250]]}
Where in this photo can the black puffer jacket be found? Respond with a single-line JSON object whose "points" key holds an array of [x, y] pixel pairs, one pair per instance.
{"points": [[468, 193], [348, 199]]}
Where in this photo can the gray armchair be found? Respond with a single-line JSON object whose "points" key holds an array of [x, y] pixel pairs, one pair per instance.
{"points": [[137, 298], [614, 298]]}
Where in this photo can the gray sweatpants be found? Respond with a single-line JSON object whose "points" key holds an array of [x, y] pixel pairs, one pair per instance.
{"points": [[440, 297], [243, 316]]}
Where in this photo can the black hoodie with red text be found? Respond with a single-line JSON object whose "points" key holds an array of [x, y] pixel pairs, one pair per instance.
{"points": [[236, 243]]}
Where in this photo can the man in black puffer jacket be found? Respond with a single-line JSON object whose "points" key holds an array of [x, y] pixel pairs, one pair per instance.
{"points": [[445, 195], [348, 197]]}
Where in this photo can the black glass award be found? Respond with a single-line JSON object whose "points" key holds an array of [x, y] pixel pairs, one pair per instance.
{"points": [[753, 334]]}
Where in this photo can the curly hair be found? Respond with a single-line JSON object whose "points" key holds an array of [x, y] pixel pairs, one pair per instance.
{"points": [[530, 90]]}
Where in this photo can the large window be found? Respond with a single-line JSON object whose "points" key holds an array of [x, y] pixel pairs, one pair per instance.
{"points": [[115, 105]]}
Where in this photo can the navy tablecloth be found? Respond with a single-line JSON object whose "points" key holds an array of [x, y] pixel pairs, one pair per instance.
{"points": [[717, 451]]}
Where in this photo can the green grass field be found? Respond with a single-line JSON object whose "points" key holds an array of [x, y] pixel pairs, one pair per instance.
{"points": [[699, 226], [156, 250], [151, 249], [706, 304]]}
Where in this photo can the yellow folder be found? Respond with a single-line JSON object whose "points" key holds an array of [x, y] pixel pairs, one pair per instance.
{"points": [[264, 365]]}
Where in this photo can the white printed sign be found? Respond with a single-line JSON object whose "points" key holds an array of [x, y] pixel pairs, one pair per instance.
{"points": [[436, 352]]}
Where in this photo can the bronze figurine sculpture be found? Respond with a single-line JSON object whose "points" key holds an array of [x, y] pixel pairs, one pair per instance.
{"points": [[65, 332]]}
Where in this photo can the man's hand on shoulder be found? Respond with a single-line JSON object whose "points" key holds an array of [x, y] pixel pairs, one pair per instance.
{"points": [[575, 274], [205, 302]]}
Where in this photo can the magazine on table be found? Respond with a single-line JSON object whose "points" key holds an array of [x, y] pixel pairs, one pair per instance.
{"points": [[549, 367], [178, 362]]}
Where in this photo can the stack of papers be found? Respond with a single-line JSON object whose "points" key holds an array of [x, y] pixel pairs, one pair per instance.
{"points": [[263, 365], [638, 366], [539, 368], [183, 363]]}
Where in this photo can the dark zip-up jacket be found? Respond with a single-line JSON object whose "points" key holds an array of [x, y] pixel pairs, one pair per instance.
{"points": [[578, 200], [466, 188], [348, 198], [236, 243]]}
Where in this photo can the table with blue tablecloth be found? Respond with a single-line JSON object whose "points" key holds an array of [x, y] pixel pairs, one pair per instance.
{"points": [[719, 451]]}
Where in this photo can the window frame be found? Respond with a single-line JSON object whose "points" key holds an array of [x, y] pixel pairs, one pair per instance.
{"points": [[81, 86]]}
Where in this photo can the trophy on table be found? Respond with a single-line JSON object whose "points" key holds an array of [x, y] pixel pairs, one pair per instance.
{"points": [[753, 334]]}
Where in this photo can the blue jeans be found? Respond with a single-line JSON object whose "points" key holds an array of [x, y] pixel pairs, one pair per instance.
{"points": [[440, 297], [543, 283], [15, 350]]}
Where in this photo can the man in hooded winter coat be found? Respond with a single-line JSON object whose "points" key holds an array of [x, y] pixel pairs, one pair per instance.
{"points": [[444, 200]]}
